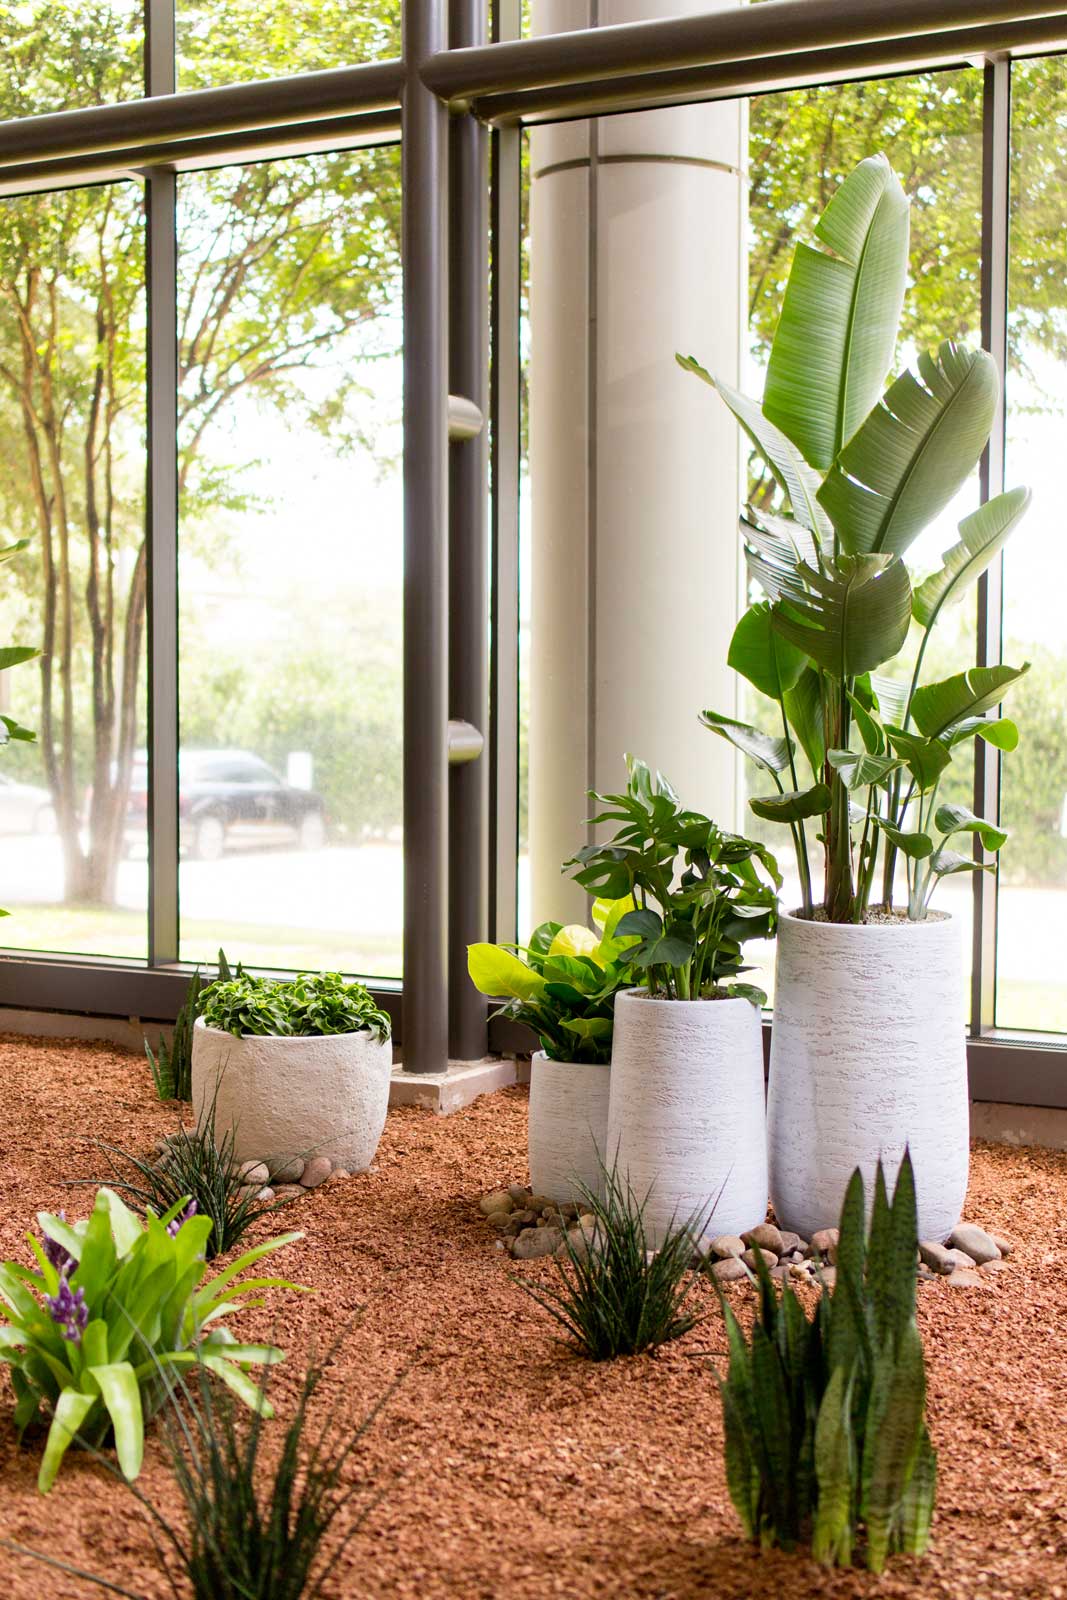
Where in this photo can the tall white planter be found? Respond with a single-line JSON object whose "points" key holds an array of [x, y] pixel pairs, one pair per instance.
{"points": [[568, 1126], [288, 1097], [868, 1055], [686, 1114]]}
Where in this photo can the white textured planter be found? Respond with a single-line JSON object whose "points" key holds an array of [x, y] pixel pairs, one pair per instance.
{"points": [[568, 1126], [868, 1055], [686, 1114], [318, 1096]]}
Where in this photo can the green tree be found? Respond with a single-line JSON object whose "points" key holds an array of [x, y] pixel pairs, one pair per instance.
{"points": [[278, 262]]}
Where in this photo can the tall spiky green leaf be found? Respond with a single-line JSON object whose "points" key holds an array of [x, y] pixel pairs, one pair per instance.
{"points": [[913, 452], [837, 331], [833, 1533], [916, 1510], [895, 1444]]}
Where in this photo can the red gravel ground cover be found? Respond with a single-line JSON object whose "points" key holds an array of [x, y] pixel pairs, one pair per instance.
{"points": [[504, 1468]]}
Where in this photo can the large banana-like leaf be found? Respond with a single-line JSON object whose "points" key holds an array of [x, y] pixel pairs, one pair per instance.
{"points": [[913, 452], [837, 331], [770, 663], [774, 548], [982, 534], [763, 748], [803, 708], [794, 806], [939, 706], [790, 470], [851, 617]]}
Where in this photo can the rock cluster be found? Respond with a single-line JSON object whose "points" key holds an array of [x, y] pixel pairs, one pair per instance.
{"points": [[286, 1178], [529, 1225]]}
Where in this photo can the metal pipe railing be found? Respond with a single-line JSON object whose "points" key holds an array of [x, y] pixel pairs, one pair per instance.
{"points": [[711, 38]]}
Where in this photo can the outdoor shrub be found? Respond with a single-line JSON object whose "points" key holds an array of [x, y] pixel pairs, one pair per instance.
{"points": [[824, 1419], [563, 983], [615, 1296], [313, 1003], [200, 1167], [696, 893], [115, 1304]]}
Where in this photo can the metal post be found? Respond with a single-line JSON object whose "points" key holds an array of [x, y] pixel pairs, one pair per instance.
{"points": [[468, 680], [505, 446], [162, 514], [424, 147], [996, 159]]}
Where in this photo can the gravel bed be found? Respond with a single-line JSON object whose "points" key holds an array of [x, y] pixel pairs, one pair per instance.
{"points": [[504, 1468]]}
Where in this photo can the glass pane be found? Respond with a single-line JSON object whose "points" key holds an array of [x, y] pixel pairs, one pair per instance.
{"points": [[801, 145], [1032, 900], [238, 41], [57, 55], [290, 563], [72, 370]]}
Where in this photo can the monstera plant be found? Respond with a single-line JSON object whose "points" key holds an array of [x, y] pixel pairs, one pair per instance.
{"points": [[862, 469]]}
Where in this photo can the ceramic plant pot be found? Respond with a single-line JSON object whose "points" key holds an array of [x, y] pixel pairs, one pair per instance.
{"points": [[286, 1097], [568, 1126], [868, 1055], [686, 1114]]}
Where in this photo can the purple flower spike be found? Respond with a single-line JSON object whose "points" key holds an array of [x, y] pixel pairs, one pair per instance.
{"points": [[174, 1226], [69, 1311], [57, 1254]]}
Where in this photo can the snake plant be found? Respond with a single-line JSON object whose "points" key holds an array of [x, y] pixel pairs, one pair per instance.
{"points": [[860, 474], [824, 1417]]}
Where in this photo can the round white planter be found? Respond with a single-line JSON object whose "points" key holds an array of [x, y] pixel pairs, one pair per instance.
{"points": [[868, 1055], [686, 1115], [283, 1098], [568, 1126]]}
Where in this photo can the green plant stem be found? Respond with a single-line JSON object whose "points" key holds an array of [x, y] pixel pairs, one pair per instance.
{"points": [[800, 837], [839, 889]]}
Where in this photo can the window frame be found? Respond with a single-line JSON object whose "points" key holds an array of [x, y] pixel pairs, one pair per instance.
{"points": [[456, 99]]}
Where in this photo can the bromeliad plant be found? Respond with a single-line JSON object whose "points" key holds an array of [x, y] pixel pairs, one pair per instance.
{"points": [[825, 1430], [114, 1305], [696, 892], [563, 983], [312, 1004], [861, 474]]}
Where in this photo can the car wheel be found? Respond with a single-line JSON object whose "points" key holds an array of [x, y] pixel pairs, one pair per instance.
{"points": [[45, 820], [312, 833], [210, 839]]}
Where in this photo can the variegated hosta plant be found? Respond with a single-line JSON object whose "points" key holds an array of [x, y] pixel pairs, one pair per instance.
{"points": [[114, 1305], [860, 756]]}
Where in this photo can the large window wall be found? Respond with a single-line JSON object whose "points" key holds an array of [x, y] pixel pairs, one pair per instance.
{"points": [[226, 750]]}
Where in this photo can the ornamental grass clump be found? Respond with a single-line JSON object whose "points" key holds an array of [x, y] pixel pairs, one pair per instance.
{"points": [[825, 1431], [172, 1065], [198, 1166], [116, 1305], [615, 1295]]}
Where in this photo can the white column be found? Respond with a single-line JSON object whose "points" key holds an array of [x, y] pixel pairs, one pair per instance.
{"points": [[637, 251]]}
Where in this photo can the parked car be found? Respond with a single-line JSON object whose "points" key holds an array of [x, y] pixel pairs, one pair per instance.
{"points": [[25, 807], [232, 800]]}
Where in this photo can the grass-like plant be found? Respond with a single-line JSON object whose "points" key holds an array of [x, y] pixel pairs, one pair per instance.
{"points": [[312, 1004], [172, 1065], [199, 1167], [614, 1294], [256, 1519], [114, 1306], [824, 1418]]}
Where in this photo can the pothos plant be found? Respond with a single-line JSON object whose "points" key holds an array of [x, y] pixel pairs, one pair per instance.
{"points": [[861, 473], [563, 983], [697, 893]]}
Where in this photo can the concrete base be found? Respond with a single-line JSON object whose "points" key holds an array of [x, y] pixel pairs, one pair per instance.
{"points": [[1004, 1124], [463, 1082]]}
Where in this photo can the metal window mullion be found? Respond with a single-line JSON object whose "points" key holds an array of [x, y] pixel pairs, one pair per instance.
{"points": [[996, 159], [468, 363], [424, 248], [162, 512]]}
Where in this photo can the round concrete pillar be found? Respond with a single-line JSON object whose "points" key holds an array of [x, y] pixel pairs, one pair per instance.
{"points": [[636, 252]]}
